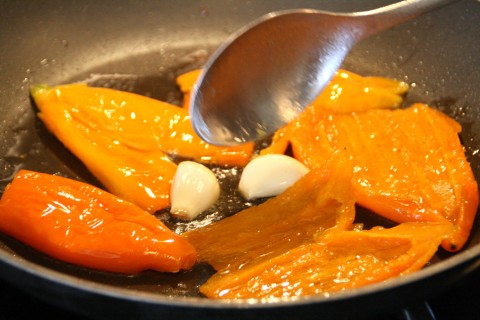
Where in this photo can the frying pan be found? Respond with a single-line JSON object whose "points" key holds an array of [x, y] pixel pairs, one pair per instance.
{"points": [[141, 46]]}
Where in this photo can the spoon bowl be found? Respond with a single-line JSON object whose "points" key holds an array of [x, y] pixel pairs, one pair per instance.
{"points": [[267, 72]]}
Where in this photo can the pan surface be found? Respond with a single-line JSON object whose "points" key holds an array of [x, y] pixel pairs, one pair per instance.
{"points": [[141, 46]]}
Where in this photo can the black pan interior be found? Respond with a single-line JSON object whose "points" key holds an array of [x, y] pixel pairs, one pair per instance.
{"points": [[141, 47]]}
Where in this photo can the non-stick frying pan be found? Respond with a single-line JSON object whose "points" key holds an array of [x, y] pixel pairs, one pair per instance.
{"points": [[141, 46]]}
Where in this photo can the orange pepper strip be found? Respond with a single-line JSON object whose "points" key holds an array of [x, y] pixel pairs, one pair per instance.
{"points": [[345, 86], [322, 199], [185, 82], [347, 92], [124, 139], [409, 164], [340, 260], [367, 92], [81, 224]]}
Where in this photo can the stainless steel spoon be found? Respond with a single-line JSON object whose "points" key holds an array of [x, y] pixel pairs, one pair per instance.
{"points": [[268, 71]]}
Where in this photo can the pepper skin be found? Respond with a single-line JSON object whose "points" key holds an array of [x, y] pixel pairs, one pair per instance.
{"points": [[84, 225]]}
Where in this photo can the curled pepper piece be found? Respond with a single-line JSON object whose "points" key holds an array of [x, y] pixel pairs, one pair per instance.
{"points": [[345, 87], [409, 164], [321, 200], [125, 139], [349, 92], [84, 225], [185, 82], [338, 261]]}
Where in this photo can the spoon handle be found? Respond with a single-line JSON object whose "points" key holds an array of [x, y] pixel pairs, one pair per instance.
{"points": [[388, 16]]}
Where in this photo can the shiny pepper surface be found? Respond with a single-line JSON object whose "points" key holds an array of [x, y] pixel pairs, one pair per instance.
{"points": [[81, 224]]}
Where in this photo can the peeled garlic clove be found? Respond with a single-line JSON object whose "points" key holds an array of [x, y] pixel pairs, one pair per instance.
{"points": [[194, 189], [270, 175]]}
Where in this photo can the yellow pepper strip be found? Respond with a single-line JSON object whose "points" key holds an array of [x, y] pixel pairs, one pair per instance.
{"points": [[321, 200], [350, 92], [125, 139], [338, 261], [409, 163]]}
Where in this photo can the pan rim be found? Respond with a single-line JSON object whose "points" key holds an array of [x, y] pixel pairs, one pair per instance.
{"points": [[469, 256], [468, 259]]}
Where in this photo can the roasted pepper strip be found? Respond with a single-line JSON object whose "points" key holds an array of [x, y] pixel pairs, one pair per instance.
{"points": [[81, 224], [321, 200], [345, 87], [124, 139], [409, 164], [185, 82], [350, 92], [340, 260]]}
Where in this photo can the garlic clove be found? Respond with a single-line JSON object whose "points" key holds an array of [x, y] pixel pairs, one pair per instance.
{"points": [[269, 175], [194, 189]]}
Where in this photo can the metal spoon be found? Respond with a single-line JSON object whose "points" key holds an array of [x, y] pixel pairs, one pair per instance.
{"points": [[269, 70]]}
